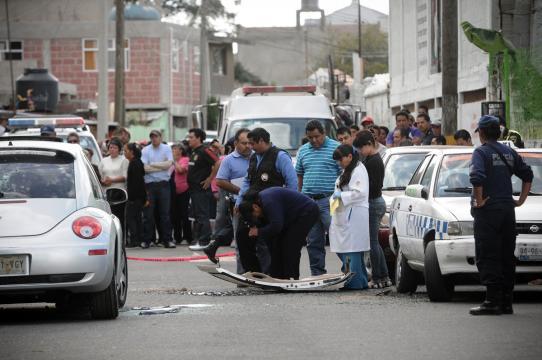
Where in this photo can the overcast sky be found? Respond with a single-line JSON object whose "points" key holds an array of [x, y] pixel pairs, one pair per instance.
{"points": [[266, 13], [252, 13]]}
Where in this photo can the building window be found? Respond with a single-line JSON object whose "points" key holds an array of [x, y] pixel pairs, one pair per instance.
{"points": [[111, 54], [174, 55], [218, 58], [14, 52], [90, 54]]}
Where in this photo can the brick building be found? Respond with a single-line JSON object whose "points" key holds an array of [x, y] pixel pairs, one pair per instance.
{"points": [[161, 59]]}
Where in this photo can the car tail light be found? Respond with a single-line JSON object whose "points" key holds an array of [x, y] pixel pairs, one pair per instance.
{"points": [[87, 227], [97, 252]]}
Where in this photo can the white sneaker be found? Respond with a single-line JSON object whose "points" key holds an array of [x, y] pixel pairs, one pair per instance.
{"points": [[197, 247]]}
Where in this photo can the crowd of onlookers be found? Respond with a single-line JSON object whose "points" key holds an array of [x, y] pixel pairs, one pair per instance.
{"points": [[168, 184], [409, 130]]}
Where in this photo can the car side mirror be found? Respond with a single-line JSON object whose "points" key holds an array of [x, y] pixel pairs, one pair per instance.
{"points": [[417, 191], [116, 196]]}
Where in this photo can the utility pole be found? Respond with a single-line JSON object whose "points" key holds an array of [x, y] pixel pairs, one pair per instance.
{"points": [[205, 81], [13, 98], [103, 97], [359, 29], [119, 63], [449, 67], [305, 37]]}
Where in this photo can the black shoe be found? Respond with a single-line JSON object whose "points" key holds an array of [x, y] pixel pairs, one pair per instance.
{"points": [[210, 251], [507, 309], [170, 245], [144, 245], [507, 303], [487, 308]]}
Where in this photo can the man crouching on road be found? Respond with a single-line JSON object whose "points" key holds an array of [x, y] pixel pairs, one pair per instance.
{"points": [[283, 218]]}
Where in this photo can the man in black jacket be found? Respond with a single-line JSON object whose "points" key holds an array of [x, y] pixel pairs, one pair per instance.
{"points": [[269, 166]]}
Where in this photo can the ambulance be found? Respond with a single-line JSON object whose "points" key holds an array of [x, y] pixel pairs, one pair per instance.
{"points": [[283, 111]]}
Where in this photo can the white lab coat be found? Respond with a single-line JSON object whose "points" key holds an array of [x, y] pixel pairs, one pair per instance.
{"points": [[349, 230]]}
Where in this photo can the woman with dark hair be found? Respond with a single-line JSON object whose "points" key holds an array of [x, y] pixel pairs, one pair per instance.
{"points": [[114, 170], [182, 229], [137, 195], [349, 230], [367, 147]]}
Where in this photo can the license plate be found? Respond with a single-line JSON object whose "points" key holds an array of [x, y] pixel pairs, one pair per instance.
{"points": [[13, 265], [526, 252]]}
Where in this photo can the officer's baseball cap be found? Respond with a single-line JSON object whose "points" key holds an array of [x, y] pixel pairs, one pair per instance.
{"points": [[47, 130], [155, 133], [487, 121]]}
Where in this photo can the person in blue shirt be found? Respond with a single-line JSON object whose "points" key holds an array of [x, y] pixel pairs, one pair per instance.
{"points": [[316, 173], [493, 209], [283, 218], [269, 166], [233, 169], [402, 121], [157, 158]]}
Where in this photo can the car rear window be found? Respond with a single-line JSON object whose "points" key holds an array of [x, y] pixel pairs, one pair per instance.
{"points": [[36, 174]]}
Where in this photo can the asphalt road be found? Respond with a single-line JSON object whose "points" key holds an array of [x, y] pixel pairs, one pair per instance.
{"points": [[225, 322]]}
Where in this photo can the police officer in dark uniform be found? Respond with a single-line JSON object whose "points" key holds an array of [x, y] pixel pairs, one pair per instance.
{"points": [[284, 218], [269, 166], [492, 167]]}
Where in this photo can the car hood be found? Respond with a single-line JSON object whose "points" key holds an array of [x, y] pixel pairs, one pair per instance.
{"points": [[389, 195], [27, 217], [459, 207]]}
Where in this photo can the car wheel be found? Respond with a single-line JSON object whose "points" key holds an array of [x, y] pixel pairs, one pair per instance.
{"points": [[105, 304], [122, 286], [406, 279], [439, 287]]}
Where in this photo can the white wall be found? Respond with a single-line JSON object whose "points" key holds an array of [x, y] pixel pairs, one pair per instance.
{"points": [[411, 78], [378, 107]]}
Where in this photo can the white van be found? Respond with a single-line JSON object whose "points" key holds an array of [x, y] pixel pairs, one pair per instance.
{"points": [[282, 110]]}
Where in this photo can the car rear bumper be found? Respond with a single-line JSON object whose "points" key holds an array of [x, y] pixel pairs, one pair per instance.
{"points": [[63, 266], [458, 255]]}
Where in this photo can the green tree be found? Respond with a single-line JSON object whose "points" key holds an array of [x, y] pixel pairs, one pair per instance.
{"points": [[374, 50], [214, 9], [243, 76]]}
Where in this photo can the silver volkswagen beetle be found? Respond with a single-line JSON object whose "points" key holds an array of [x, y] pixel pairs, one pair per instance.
{"points": [[59, 241]]}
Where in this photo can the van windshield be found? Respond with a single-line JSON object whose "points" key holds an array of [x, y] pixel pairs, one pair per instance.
{"points": [[286, 133]]}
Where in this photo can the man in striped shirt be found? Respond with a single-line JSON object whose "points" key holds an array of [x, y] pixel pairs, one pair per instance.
{"points": [[316, 174]]}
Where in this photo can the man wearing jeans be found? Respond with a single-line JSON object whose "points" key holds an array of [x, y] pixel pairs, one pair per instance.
{"points": [[157, 158], [202, 168], [316, 173]]}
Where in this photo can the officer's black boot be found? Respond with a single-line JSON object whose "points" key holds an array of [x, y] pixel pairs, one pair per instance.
{"points": [[507, 303], [492, 305], [210, 250]]}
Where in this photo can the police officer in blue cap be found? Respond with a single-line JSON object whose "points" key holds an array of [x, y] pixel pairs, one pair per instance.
{"points": [[492, 167]]}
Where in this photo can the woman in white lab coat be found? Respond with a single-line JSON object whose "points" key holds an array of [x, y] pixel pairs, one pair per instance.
{"points": [[349, 230]]}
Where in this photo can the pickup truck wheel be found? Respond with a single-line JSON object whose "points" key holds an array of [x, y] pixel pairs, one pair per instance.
{"points": [[104, 304], [439, 287], [406, 279]]}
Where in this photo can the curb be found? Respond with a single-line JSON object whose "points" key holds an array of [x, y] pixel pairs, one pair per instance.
{"points": [[173, 259]]}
